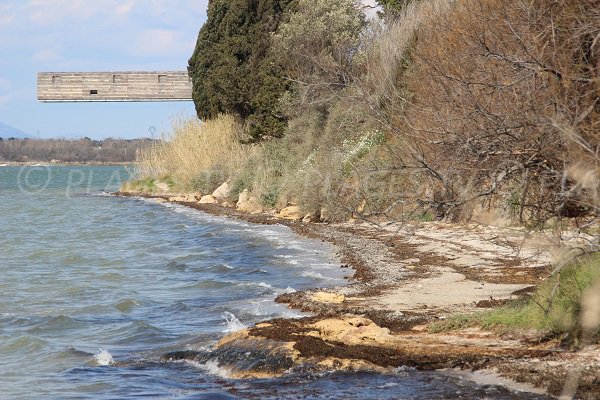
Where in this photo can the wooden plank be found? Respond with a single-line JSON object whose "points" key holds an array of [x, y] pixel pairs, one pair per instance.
{"points": [[114, 86]]}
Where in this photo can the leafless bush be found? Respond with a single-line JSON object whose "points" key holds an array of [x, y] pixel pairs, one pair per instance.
{"points": [[496, 86]]}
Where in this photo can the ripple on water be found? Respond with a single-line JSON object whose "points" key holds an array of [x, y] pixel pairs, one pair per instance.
{"points": [[177, 307], [210, 284], [41, 254], [52, 326], [219, 268], [135, 278], [22, 345], [139, 333], [112, 277], [126, 305], [176, 266]]}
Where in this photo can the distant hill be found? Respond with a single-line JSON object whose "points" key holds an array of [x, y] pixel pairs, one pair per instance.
{"points": [[7, 131]]}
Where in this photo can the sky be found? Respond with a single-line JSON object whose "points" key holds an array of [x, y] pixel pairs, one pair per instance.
{"points": [[92, 35]]}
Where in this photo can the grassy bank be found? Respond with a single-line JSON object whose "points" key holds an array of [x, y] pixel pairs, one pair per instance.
{"points": [[565, 305]]}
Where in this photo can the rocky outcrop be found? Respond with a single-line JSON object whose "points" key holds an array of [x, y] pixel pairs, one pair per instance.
{"points": [[353, 343], [308, 218], [326, 297], [292, 213], [325, 215], [222, 192], [208, 199], [248, 204]]}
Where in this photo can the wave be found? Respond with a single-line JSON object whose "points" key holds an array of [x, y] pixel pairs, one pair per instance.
{"points": [[210, 284], [126, 305], [103, 358], [51, 325], [277, 291], [219, 268], [211, 367], [316, 275], [232, 323], [23, 344]]}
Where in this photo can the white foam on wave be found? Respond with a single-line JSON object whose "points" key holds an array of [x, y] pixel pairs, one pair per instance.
{"points": [[287, 290], [265, 285], [232, 323], [212, 367], [316, 275], [276, 290], [269, 309], [102, 193], [103, 358]]}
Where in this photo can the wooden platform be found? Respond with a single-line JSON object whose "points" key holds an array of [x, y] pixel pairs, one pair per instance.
{"points": [[114, 86]]}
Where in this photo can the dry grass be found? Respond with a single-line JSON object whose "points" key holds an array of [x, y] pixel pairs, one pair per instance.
{"points": [[388, 60], [193, 150]]}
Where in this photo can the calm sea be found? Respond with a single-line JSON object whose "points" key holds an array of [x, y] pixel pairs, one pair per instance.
{"points": [[95, 288]]}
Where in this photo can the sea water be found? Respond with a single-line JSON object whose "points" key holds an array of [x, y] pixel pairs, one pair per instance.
{"points": [[95, 288]]}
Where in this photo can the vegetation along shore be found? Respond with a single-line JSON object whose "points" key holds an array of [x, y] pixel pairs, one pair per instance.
{"points": [[450, 150]]}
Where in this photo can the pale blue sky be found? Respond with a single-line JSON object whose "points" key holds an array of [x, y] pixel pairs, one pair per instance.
{"points": [[92, 35]]}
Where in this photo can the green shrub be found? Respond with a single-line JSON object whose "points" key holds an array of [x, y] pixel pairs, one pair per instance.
{"points": [[145, 185], [207, 181], [243, 180], [270, 198]]}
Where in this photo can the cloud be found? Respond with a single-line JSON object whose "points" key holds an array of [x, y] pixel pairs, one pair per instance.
{"points": [[50, 12], [7, 15], [163, 8], [125, 8], [155, 42], [46, 55]]}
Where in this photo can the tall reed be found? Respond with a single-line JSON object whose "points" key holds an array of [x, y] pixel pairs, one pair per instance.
{"points": [[193, 149]]}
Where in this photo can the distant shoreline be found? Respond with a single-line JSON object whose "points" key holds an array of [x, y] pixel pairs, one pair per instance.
{"points": [[63, 164]]}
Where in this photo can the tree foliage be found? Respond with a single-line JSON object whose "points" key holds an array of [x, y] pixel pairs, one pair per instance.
{"points": [[393, 5], [232, 69], [320, 41]]}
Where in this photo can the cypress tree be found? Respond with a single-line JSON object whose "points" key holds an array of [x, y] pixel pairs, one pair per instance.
{"points": [[233, 70]]}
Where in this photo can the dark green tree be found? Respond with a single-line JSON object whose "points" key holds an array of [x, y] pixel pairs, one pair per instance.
{"points": [[232, 69]]}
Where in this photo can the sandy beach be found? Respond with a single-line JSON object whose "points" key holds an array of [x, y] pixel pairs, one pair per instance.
{"points": [[403, 278]]}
